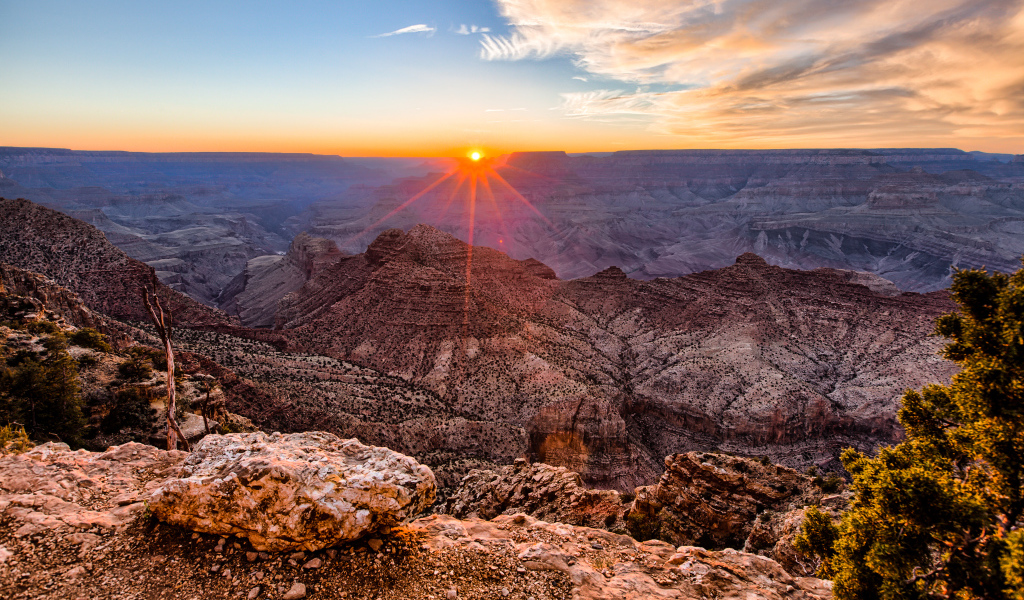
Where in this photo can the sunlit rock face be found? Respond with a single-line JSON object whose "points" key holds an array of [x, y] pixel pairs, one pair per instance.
{"points": [[903, 214], [300, 491], [608, 374]]}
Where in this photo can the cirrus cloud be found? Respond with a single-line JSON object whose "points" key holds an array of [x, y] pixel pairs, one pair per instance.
{"points": [[787, 72], [419, 28]]}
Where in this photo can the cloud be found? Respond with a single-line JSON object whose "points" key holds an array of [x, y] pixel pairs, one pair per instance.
{"points": [[420, 28], [775, 72], [471, 29], [584, 79]]}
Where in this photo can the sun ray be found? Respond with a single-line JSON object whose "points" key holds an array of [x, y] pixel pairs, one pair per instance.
{"points": [[485, 182], [400, 207], [451, 197], [522, 199], [469, 253]]}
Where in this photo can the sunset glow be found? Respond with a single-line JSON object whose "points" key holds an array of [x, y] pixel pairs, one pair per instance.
{"points": [[422, 78]]}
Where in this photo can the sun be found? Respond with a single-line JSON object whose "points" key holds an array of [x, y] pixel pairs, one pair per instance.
{"points": [[475, 155]]}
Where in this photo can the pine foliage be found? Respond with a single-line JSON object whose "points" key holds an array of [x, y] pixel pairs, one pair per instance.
{"points": [[940, 515]]}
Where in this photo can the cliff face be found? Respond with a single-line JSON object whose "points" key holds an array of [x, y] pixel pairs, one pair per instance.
{"points": [[607, 374], [79, 257], [254, 293]]}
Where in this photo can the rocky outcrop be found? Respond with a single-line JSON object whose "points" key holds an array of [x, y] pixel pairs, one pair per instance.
{"points": [[25, 295], [539, 490], [724, 501], [78, 494], [300, 491], [773, 533], [78, 256], [713, 500], [606, 566], [72, 526]]}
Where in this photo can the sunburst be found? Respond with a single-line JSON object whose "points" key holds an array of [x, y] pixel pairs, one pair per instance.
{"points": [[473, 175]]}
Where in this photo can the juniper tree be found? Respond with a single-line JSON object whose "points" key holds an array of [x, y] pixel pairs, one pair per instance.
{"points": [[940, 515]]}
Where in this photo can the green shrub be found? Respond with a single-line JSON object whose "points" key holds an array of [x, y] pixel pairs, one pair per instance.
{"points": [[89, 338], [42, 328], [131, 410], [44, 395], [86, 361], [643, 526], [138, 367]]}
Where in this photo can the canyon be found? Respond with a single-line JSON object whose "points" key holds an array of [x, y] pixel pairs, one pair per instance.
{"points": [[907, 215], [462, 367]]}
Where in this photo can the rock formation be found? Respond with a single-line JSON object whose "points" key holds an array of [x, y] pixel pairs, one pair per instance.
{"points": [[25, 295], [255, 293], [548, 493], [713, 500], [72, 526], [608, 374], [79, 494], [300, 491]]}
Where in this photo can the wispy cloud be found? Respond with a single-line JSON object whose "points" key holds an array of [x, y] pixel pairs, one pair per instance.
{"points": [[787, 71], [419, 28], [471, 29]]}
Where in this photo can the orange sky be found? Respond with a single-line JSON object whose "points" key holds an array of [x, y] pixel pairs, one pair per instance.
{"points": [[418, 78]]}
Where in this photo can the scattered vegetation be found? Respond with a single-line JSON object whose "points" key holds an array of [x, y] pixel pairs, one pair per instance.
{"points": [[643, 526], [43, 393], [14, 439], [138, 366], [89, 338], [131, 410], [940, 515]]}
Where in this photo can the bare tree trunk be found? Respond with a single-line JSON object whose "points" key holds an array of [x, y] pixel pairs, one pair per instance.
{"points": [[163, 328]]}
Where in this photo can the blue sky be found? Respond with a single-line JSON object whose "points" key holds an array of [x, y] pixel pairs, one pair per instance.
{"points": [[545, 74]]}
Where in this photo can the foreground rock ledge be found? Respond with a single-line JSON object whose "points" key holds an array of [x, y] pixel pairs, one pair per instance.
{"points": [[300, 491]]}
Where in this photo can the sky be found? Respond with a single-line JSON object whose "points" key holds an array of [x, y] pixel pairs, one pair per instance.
{"points": [[439, 78]]}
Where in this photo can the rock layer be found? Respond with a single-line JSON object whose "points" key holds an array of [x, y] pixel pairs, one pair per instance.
{"points": [[713, 500], [539, 490], [306, 490]]}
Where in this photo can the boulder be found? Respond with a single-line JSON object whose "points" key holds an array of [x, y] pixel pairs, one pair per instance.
{"points": [[299, 491]]}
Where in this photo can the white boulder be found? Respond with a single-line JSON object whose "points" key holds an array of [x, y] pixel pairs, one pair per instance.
{"points": [[299, 491]]}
